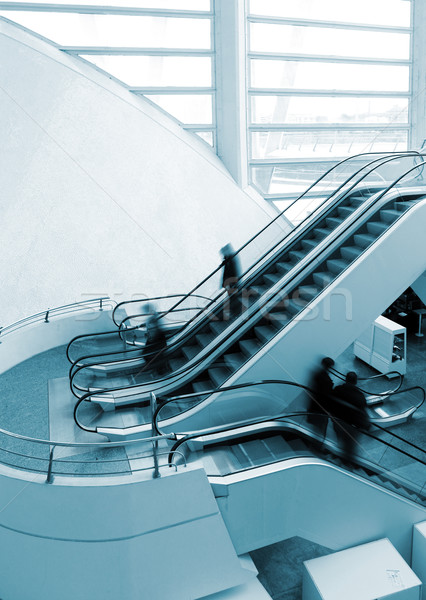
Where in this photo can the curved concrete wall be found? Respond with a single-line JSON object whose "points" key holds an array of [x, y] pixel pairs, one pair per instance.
{"points": [[101, 192]]}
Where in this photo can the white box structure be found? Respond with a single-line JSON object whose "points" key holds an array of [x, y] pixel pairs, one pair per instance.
{"points": [[371, 571], [419, 553], [383, 346]]}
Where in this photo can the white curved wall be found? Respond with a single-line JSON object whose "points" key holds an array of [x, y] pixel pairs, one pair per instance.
{"points": [[100, 192]]}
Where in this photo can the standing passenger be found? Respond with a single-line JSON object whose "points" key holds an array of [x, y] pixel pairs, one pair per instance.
{"points": [[230, 277], [320, 399]]}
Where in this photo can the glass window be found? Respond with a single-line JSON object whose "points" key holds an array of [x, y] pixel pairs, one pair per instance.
{"points": [[195, 109], [265, 37], [367, 12], [291, 178], [157, 71], [207, 136], [313, 144], [71, 29], [194, 5], [328, 76], [327, 109]]}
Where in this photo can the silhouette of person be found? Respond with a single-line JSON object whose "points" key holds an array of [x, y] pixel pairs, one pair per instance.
{"points": [[230, 277], [156, 341], [350, 409], [319, 405]]}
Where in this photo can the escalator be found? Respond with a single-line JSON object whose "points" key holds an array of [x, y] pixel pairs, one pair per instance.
{"points": [[301, 271]]}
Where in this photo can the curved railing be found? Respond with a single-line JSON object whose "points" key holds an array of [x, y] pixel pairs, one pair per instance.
{"points": [[400, 381], [177, 376], [44, 316], [181, 340]]}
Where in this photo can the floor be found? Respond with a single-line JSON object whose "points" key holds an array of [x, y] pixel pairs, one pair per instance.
{"points": [[25, 410]]}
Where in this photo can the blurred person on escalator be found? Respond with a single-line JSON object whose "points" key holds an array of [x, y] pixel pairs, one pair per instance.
{"points": [[320, 398], [230, 277], [156, 341]]}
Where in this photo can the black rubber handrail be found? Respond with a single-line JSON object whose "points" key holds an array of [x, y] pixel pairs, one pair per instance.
{"points": [[221, 389], [286, 280], [115, 331], [408, 153], [328, 208], [341, 376]]}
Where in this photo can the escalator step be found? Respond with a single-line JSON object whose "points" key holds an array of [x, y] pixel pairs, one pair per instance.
{"points": [[350, 253], [376, 227], [264, 333], [321, 233], [309, 244], [234, 361], [284, 267], [333, 222], [279, 319], [218, 327], [357, 201], [241, 456], [294, 307], [298, 445], [296, 255], [218, 375], [363, 239], [260, 289], [404, 205], [249, 347], [202, 386], [337, 265], [204, 339], [190, 351], [308, 291], [323, 278], [270, 279], [176, 363], [278, 447], [389, 216], [257, 452], [345, 211]]}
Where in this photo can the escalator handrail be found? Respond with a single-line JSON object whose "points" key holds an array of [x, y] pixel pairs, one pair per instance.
{"points": [[341, 376], [87, 335], [382, 154], [222, 389], [287, 279]]}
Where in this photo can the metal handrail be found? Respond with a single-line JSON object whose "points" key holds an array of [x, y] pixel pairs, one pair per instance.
{"points": [[341, 376], [44, 315]]}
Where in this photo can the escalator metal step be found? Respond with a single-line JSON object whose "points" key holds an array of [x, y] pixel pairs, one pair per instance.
{"points": [[176, 363], [336, 265], [357, 201], [321, 232], [241, 456], [376, 227], [190, 351], [234, 361], [265, 332], [323, 278], [333, 222], [218, 375], [204, 339], [309, 244], [345, 211], [202, 386], [279, 319], [284, 267], [350, 253], [296, 255], [271, 279], [363, 239], [389, 215], [249, 347], [278, 447], [308, 291], [218, 327]]}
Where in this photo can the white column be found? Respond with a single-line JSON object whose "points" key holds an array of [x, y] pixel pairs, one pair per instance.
{"points": [[418, 102], [231, 98]]}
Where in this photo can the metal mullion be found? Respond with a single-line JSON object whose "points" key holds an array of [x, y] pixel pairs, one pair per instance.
{"points": [[260, 162], [411, 76], [326, 58], [110, 51], [326, 127], [105, 9], [195, 127], [327, 24], [304, 92], [170, 90]]}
